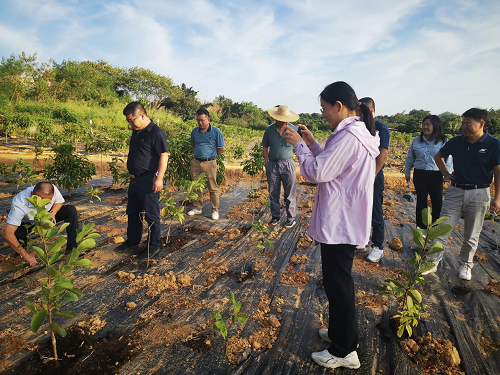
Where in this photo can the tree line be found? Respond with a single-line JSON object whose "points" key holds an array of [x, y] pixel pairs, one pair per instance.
{"points": [[98, 84]]}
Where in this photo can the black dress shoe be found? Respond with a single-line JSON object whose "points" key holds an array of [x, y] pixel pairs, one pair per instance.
{"points": [[125, 247]]}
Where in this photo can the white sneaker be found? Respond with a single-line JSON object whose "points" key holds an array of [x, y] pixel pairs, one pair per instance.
{"points": [[375, 255], [328, 360], [464, 272], [194, 211], [362, 248], [215, 215], [323, 334], [432, 270]]}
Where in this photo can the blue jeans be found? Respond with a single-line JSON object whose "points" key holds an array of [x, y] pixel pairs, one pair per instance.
{"points": [[142, 198], [282, 172], [378, 227]]}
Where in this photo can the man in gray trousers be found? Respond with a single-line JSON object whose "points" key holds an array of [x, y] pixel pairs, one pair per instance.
{"points": [[280, 168]]}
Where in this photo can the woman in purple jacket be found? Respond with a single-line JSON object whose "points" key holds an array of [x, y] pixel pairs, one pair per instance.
{"points": [[341, 218]]}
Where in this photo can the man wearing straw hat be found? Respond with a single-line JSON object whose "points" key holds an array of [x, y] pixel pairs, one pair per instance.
{"points": [[280, 168]]}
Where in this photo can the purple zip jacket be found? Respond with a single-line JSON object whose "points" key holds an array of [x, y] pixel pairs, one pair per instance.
{"points": [[345, 172]]}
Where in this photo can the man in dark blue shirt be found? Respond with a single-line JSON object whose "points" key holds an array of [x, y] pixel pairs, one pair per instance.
{"points": [[378, 226], [476, 158], [147, 162]]}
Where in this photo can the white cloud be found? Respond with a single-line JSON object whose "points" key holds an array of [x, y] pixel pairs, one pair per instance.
{"points": [[410, 54]]}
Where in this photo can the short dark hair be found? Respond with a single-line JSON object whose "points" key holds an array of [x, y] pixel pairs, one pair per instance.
{"points": [[133, 108], [477, 114], [202, 111], [342, 92], [369, 102], [44, 188], [437, 129]]}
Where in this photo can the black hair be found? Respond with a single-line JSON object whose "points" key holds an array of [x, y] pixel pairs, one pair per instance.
{"points": [[43, 187], [477, 114], [134, 108], [437, 129], [369, 102], [202, 111], [342, 92]]}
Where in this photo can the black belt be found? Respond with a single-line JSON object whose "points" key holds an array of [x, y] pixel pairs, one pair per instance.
{"points": [[469, 186], [142, 174], [205, 159]]}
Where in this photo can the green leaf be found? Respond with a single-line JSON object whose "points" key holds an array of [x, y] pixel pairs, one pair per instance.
{"points": [[40, 253], [415, 294], [30, 306], [409, 330], [86, 244], [55, 257], [58, 329], [440, 230], [426, 267], [237, 307], [73, 256], [435, 248], [426, 216], [52, 272], [401, 330], [69, 297], [440, 220], [242, 318], [418, 237], [38, 319], [85, 263], [77, 291], [409, 302], [66, 314], [56, 246], [217, 316]]}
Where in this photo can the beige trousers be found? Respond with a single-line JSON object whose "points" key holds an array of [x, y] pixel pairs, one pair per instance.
{"points": [[210, 170], [472, 204]]}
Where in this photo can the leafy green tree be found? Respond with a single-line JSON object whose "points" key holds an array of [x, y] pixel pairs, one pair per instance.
{"points": [[221, 325], [68, 169], [409, 298], [185, 104], [57, 286], [451, 123], [181, 153], [255, 164]]}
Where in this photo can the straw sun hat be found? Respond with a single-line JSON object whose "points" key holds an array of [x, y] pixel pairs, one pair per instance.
{"points": [[283, 113]]}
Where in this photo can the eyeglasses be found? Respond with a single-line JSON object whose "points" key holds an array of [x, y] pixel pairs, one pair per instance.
{"points": [[131, 120], [198, 120], [468, 124]]}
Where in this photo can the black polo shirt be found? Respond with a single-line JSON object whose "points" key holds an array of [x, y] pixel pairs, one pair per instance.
{"points": [[473, 162], [145, 149]]}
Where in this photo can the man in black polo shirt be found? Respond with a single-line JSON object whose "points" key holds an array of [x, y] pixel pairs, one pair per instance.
{"points": [[476, 158], [147, 162]]}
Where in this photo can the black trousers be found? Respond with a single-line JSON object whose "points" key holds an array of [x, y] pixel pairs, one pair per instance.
{"points": [[68, 214], [428, 183], [378, 226], [142, 198], [336, 263]]}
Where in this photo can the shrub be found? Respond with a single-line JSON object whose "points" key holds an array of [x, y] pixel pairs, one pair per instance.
{"points": [[68, 169]]}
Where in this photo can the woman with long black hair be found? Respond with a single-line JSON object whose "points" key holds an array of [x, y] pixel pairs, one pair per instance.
{"points": [[341, 218], [427, 178]]}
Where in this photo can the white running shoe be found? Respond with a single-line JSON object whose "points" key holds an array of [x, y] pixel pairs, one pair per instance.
{"points": [[375, 255], [194, 211], [328, 360], [465, 271]]}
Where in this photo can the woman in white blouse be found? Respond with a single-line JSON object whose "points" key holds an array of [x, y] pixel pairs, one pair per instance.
{"points": [[427, 178]]}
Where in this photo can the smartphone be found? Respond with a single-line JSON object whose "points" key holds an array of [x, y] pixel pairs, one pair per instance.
{"points": [[296, 128]]}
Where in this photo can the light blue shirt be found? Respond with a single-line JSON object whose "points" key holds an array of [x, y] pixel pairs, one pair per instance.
{"points": [[206, 144], [421, 156], [21, 209]]}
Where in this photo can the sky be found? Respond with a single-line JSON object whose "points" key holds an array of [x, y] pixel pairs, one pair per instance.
{"points": [[412, 54]]}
